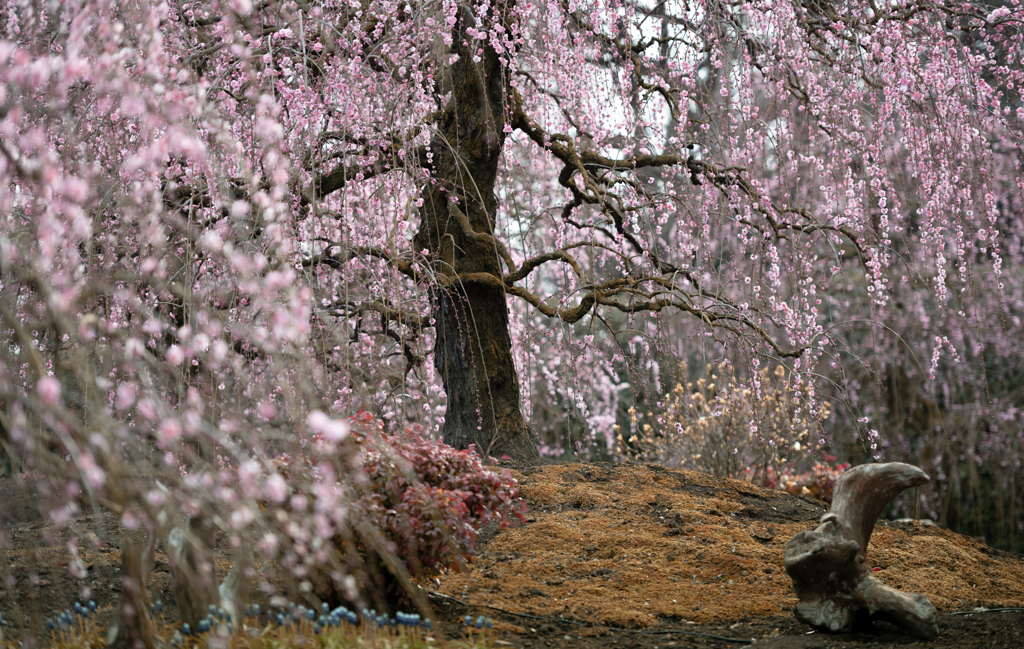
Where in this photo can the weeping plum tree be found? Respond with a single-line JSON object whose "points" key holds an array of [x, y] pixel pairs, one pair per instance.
{"points": [[735, 163], [221, 216]]}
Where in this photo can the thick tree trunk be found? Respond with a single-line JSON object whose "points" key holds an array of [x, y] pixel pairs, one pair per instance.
{"points": [[473, 348], [193, 574], [134, 627], [473, 355]]}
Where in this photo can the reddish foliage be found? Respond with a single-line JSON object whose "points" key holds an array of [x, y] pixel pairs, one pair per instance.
{"points": [[816, 483], [428, 499]]}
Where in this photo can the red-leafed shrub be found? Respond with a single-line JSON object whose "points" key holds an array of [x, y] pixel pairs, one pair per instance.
{"points": [[430, 499], [818, 483], [426, 500]]}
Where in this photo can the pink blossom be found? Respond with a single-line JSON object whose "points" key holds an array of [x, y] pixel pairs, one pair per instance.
{"points": [[998, 13], [333, 430], [240, 209], [170, 431], [267, 409], [247, 474], [268, 545], [155, 498], [125, 395], [147, 409], [175, 355], [242, 518], [49, 390], [75, 189], [76, 568], [242, 7], [93, 474], [130, 520], [220, 350], [275, 488]]}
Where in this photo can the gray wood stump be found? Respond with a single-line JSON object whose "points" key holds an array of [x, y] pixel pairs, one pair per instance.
{"points": [[829, 565]]}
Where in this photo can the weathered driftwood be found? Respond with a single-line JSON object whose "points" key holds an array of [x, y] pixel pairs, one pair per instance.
{"points": [[829, 565]]}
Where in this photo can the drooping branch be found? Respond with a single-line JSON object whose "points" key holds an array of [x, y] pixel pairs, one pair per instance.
{"points": [[393, 314], [569, 315], [726, 179], [387, 160], [348, 253], [605, 294], [596, 190], [535, 262]]}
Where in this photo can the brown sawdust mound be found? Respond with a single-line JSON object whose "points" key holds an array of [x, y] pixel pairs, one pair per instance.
{"points": [[627, 545]]}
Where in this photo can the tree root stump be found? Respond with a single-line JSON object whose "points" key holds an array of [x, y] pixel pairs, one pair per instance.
{"points": [[829, 565]]}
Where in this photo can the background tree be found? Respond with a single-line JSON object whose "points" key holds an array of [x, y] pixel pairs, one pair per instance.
{"points": [[744, 165]]}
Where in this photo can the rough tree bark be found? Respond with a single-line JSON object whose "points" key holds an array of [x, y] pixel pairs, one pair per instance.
{"points": [[473, 347], [134, 628], [193, 575]]}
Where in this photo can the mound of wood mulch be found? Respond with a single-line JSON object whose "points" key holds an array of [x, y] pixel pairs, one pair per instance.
{"points": [[636, 546]]}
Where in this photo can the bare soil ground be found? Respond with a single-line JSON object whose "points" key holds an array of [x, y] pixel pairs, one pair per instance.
{"points": [[611, 556]]}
